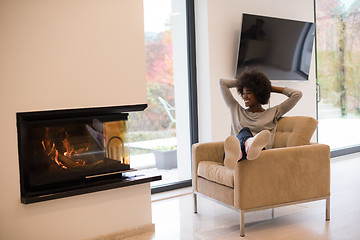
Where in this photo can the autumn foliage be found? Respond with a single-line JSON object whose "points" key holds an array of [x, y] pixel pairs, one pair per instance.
{"points": [[160, 83]]}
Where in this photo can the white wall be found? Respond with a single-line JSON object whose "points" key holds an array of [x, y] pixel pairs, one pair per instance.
{"points": [[218, 24], [66, 54], [58, 54]]}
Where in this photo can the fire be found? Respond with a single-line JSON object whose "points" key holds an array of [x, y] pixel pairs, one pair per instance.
{"points": [[64, 158], [73, 147], [69, 150], [53, 154]]}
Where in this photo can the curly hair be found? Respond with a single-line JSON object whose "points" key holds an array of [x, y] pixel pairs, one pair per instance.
{"points": [[257, 82]]}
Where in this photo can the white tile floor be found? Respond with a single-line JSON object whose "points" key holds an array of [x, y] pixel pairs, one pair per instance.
{"points": [[174, 219]]}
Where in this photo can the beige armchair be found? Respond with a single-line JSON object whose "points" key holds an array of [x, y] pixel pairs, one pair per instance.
{"points": [[293, 172]]}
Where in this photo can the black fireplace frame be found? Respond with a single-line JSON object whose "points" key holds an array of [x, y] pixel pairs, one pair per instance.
{"points": [[86, 185]]}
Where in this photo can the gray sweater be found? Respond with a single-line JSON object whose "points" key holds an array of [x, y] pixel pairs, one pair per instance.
{"points": [[258, 121]]}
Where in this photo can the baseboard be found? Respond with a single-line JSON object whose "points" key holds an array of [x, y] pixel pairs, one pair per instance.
{"points": [[127, 233]]}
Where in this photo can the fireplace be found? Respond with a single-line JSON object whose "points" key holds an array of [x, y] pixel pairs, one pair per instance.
{"points": [[68, 152]]}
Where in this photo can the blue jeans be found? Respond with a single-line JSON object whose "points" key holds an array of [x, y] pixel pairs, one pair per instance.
{"points": [[244, 135]]}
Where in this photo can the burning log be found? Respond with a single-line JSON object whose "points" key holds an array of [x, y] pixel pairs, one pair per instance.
{"points": [[63, 160], [80, 163], [69, 162]]}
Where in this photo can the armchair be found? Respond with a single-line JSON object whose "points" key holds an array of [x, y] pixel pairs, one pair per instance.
{"points": [[292, 172]]}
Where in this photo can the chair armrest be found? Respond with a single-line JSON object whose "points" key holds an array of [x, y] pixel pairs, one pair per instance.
{"points": [[283, 175], [211, 151]]}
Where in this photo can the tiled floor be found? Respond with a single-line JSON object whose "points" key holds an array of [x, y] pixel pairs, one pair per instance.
{"points": [[174, 218]]}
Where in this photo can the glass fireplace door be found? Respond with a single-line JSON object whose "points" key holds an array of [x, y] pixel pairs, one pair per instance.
{"points": [[59, 151]]}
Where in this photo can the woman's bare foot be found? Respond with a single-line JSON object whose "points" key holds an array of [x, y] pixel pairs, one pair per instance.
{"points": [[232, 152], [254, 145]]}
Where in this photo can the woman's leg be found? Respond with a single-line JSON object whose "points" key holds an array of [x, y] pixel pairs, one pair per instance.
{"points": [[244, 146], [251, 146], [254, 145], [235, 148], [244, 135]]}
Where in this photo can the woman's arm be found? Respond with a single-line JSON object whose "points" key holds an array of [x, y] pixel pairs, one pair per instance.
{"points": [[277, 89], [225, 86], [293, 97]]}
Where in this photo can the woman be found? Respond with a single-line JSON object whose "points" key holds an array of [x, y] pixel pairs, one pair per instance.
{"points": [[254, 126]]}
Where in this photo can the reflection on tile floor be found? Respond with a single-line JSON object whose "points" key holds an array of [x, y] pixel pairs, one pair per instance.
{"points": [[213, 220]]}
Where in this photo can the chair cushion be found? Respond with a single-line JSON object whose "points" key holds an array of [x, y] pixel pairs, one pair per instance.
{"points": [[294, 131], [216, 172]]}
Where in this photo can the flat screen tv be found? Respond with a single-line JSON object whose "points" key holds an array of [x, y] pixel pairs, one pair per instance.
{"points": [[280, 48]]}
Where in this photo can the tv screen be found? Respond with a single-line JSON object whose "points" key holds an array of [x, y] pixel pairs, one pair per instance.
{"points": [[280, 48]]}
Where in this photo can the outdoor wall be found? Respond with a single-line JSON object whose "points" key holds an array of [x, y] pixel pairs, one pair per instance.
{"points": [[68, 54], [218, 24]]}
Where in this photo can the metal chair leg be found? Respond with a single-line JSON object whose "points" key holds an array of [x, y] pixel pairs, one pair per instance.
{"points": [[327, 209], [242, 224], [195, 202], [272, 213]]}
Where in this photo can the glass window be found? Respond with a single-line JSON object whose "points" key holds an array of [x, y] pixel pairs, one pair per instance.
{"points": [[160, 137], [338, 58]]}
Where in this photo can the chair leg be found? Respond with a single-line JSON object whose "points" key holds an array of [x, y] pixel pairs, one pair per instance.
{"points": [[272, 213], [242, 223], [195, 202], [327, 209]]}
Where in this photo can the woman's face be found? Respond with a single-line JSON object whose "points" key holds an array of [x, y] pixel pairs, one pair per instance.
{"points": [[249, 98]]}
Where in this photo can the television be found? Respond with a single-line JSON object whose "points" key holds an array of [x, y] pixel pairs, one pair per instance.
{"points": [[280, 48]]}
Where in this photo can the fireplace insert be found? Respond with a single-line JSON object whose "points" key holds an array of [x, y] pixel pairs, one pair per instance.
{"points": [[66, 149]]}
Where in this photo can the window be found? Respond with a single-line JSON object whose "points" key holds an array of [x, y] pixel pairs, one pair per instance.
{"points": [[338, 59], [159, 137]]}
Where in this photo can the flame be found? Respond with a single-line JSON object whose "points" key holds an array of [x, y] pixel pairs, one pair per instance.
{"points": [[64, 158], [54, 154], [70, 151]]}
